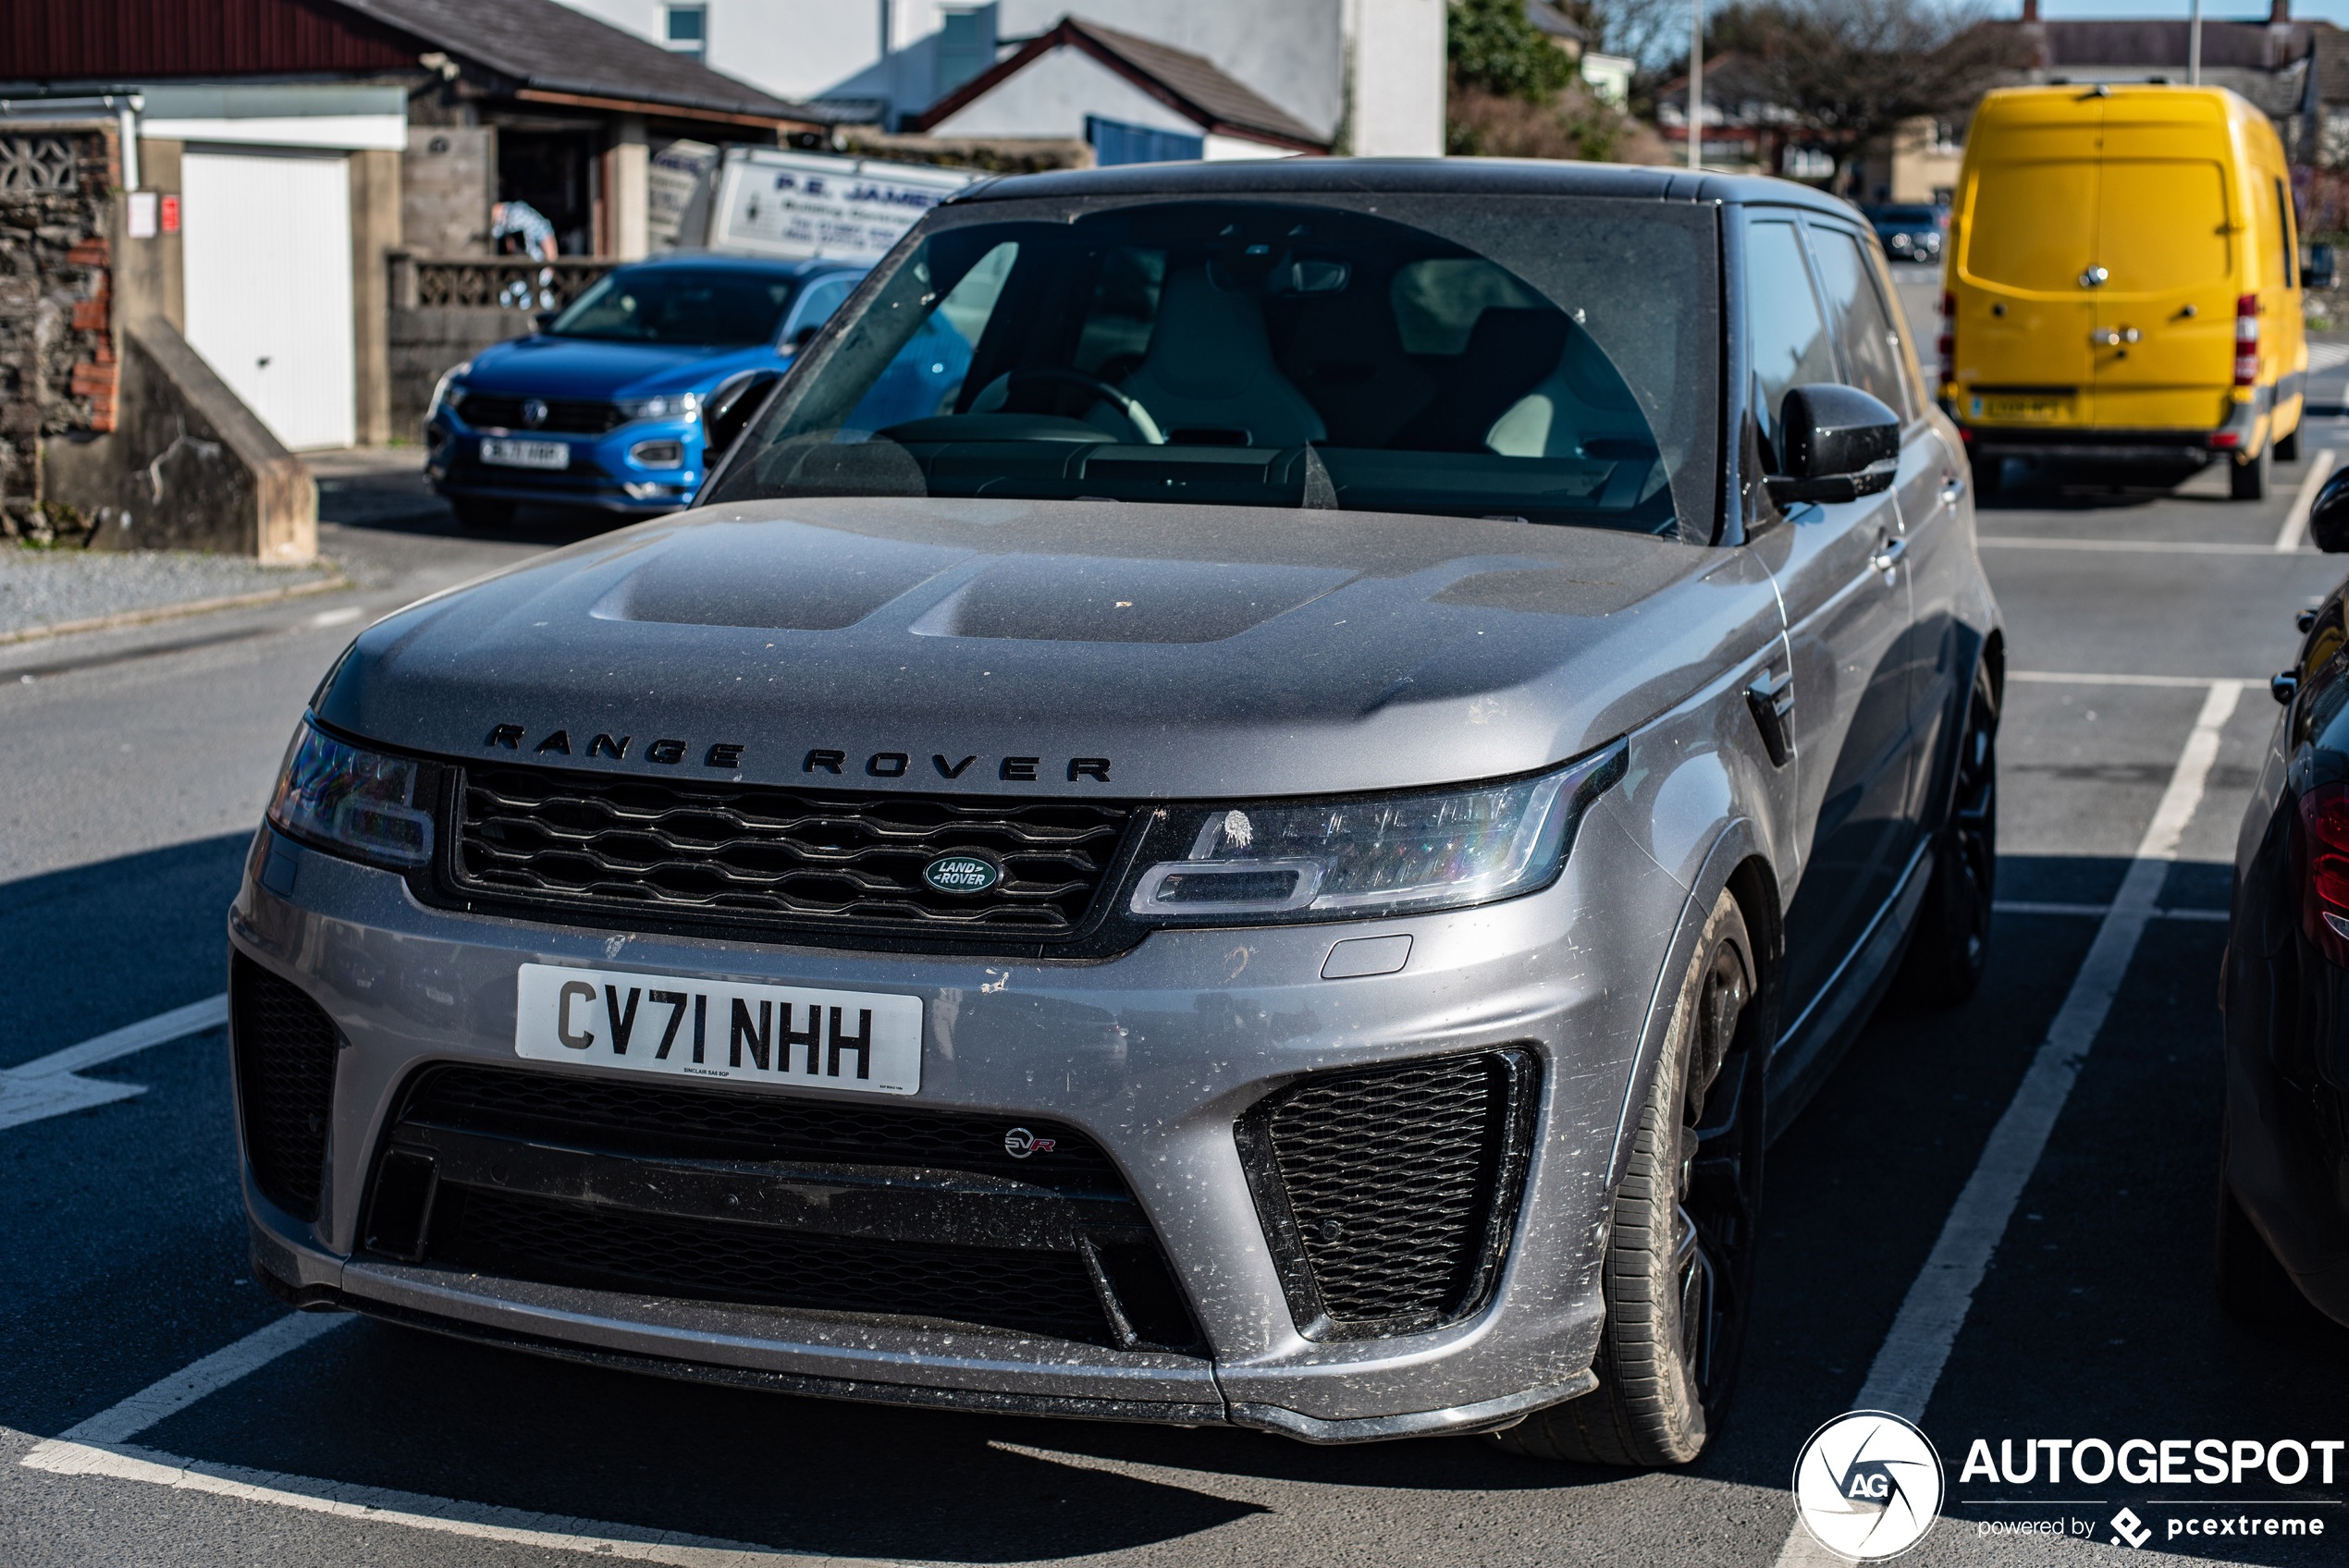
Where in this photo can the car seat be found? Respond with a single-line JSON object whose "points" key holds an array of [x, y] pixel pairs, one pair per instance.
{"points": [[1209, 368]]}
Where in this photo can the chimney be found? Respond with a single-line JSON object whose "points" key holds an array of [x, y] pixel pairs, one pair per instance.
{"points": [[2031, 9], [2279, 12]]}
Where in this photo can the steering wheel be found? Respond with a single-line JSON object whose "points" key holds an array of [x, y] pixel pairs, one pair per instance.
{"points": [[1136, 415]]}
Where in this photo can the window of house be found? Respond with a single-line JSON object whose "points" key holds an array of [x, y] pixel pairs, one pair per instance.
{"points": [[689, 31], [966, 45]]}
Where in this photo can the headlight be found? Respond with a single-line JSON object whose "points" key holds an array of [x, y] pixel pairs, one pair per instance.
{"points": [[1345, 860], [446, 390], [677, 405], [354, 801]]}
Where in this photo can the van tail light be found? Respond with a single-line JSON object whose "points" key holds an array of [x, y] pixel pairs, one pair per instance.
{"points": [[2247, 340], [1947, 342], [2324, 854]]}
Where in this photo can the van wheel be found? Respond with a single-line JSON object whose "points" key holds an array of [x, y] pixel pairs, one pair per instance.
{"points": [[1679, 1270], [1951, 946], [2249, 481], [2288, 446]]}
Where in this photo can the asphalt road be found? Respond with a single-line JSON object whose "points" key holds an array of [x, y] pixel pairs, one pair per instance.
{"points": [[133, 768]]}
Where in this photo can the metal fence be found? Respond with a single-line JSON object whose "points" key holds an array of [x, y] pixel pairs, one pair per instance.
{"points": [[513, 283]]}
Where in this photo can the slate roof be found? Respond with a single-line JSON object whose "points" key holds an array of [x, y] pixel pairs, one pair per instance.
{"points": [[552, 48], [1190, 84]]}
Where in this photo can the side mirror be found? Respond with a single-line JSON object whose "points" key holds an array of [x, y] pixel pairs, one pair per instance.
{"points": [[2328, 514], [732, 407], [541, 320], [1841, 444], [804, 337]]}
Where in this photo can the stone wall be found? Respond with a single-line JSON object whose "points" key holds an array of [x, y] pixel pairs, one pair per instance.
{"points": [[190, 468], [427, 340], [57, 369]]}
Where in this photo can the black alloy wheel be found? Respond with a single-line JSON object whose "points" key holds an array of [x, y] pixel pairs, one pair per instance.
{"points": [[1678, 1278], [1951, 946]]}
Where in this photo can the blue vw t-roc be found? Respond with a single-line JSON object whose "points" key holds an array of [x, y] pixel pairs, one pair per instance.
{"points": [[602, 407]]}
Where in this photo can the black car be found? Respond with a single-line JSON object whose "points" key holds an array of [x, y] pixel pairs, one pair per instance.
{"points": [[1910, 233], [2284, 1191]]}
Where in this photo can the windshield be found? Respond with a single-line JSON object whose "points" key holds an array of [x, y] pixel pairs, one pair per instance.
{"points": [[672, 304], [1546, 359]]}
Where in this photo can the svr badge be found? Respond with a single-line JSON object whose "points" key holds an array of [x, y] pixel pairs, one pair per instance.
{"points": [[1868, 1486], [961, 874]]}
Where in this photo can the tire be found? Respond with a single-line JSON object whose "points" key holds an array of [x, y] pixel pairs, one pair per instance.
{"points": [[479, 515], [1677, 1278], [2248, 482], [1951, 947], [2288, 446], [1990, 477], [2254, 1288]]}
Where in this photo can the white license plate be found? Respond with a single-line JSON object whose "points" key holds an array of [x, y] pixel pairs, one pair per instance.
{"points": [[526, 454], [686, 1028]]}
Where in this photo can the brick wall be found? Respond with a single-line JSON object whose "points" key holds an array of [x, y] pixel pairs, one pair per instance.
{"points": [[57, 369]]}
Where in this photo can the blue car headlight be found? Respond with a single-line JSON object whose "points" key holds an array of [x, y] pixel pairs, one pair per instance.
{"points": [[450, 388], [673, 405], [352, 801], [1391, 854]]}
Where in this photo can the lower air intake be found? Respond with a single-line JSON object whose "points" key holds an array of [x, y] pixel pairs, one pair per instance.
{"points": [[1388, 1196], [285, 1054]]}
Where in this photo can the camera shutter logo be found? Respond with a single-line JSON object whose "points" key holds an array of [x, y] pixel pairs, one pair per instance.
{"points": [[1868, 1486]]}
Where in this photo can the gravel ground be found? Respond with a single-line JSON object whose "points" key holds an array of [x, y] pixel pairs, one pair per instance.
{"points": [[43, 587]]}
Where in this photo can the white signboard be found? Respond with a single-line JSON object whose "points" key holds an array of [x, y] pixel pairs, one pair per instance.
{"points": [[773, 203]]}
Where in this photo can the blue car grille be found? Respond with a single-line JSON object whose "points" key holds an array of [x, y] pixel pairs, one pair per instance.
{"points": [[565, 416]]}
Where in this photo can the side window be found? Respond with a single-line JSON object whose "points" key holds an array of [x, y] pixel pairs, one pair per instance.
{"points": [[1786, 336], [2289, 250], [1861, 323], [823, 297]]}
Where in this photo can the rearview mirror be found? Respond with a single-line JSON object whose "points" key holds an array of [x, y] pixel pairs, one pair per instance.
{"points": [[732, 407], [1839, 443], [541, 320], [2328, 514]]}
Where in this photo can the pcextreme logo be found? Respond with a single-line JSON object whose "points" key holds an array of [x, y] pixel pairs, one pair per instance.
{"points": [[1868, 1486]]}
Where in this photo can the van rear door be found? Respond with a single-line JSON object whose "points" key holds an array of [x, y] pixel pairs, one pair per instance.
{"points": [[2030, 234], [2165, 324]]}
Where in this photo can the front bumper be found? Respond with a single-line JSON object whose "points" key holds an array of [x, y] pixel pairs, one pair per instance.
{"points": [[603, 473], [1154, 1055]]}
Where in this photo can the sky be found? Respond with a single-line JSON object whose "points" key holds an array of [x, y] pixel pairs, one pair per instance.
{"points": [[2334, 11]]}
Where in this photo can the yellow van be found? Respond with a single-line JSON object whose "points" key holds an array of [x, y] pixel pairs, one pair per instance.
{"points": [[2123, 283]]}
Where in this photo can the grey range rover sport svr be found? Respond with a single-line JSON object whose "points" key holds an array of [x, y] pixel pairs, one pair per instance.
{"points": [[1276, 860]]}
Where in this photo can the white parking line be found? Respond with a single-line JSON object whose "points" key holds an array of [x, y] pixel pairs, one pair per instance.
{"points": [[2295, 521], [2083, 678], [48, 1086], [1906, 1369], [2123, 546], [100, 1447]]}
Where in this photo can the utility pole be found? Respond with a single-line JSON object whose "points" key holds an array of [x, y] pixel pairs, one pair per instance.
{"points": [[2193, 47], [1696, 79]]}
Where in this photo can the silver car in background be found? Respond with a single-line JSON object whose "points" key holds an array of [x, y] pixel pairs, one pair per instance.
{"points": [[1276, 860]]}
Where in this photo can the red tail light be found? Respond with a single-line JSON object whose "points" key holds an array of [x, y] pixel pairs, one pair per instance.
{"points": [[2324, 896], [1948, 340], [2247, 340]]}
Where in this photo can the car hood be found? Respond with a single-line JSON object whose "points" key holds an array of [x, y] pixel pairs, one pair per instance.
{"points": [[579, 367], [1201, 651]]}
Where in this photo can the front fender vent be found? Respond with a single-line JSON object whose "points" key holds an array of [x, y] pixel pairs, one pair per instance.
{"points": [[285, 1056]]}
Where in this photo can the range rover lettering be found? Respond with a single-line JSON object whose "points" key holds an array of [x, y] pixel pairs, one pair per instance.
{"points": [[1276, 860]]}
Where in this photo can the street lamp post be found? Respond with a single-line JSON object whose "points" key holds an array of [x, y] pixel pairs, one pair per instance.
{"points": [[1696, 81], [2193, 47]]}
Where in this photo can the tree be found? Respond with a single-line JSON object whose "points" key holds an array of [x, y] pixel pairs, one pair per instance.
{"points": [[1851, 71], [1514, 93], [1490, 47]]}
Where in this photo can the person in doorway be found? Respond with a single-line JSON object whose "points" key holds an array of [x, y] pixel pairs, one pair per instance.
{"points": [[525, 226]]}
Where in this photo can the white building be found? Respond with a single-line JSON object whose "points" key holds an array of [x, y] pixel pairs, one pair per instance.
{"points": [[1366, 76]]}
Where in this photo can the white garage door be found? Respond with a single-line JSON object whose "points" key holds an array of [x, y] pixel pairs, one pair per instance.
{"points": [[267, 238]]}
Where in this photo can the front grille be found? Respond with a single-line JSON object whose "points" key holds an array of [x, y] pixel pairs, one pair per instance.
{"points": [[566, 416], [922, 1214], [575, 1244], [284, 1055], [761, 855], [1388, 1196], [651, 1121]]}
